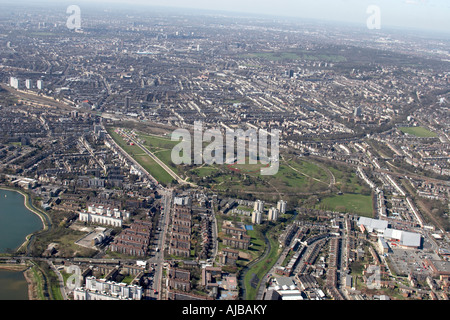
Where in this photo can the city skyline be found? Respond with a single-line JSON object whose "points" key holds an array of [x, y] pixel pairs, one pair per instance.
{"points": [[426, 15]]}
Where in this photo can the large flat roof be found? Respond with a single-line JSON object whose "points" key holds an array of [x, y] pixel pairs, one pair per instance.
{"points": [[373, 224], [408, 239]]}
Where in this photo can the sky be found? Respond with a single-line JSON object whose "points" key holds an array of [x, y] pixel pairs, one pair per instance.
{"points": [[425, 15]]}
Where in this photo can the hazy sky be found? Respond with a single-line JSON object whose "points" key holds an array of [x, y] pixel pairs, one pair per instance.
{"points": [[419, 14]]}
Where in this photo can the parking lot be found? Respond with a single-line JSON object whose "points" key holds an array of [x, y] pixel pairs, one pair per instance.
{"points": [[404, 261]]}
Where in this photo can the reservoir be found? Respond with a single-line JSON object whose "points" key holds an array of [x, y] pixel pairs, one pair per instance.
{"points": [[16, 221], [13, 285]]}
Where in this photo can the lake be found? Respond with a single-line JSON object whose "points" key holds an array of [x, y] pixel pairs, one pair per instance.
{"points": [[16, 221], [13, 285]]}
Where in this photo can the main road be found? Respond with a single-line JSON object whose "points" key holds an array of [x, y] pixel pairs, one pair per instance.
{"points": [[158, 259]]}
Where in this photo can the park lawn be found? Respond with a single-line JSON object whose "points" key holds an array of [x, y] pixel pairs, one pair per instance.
{"points": [[420, 132], [289, 180], [143, 159], [204, 171], [156, 142], [154, 169], [351, 203], [166, 157], [232, 177], [310, 169], [130, 149], [347, 181], [247, 168], [161, 147], [286, 180]]}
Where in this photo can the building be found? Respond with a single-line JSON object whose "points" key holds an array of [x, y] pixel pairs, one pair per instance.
{"points": [[402, 238], [373, 225], [281, 206], [134, 241], [273, 214], [439, 268], [14, 83], [229, 257], [238, 242], [40, 84], [179, 279], [182, 201], [258, 206], [101, 289], [399, 238], [103, 215], [291, 73], [180, 241], [229, 229], [384, 247], [257, 217]]}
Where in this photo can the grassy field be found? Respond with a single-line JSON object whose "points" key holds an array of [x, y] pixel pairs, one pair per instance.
{"points": [[294, 175], [418, 132], [260, 269], [296, 55], [352, 203], [143, 159]]}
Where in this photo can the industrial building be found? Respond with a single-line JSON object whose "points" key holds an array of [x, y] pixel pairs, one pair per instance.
{"points": [[399, 238], [403, 239]]}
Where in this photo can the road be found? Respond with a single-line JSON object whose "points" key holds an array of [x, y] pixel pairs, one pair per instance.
{"points": [[158, 259]]}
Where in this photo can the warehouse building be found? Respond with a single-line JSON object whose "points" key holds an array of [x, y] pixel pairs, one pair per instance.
{"points": [[373, 225], [403, 239]]}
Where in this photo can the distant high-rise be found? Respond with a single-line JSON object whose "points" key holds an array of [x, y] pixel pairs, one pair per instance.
{"points": [[14, 82], [281, 206], [28, 84], [291, 73], [259, 206], [40, 84], [256, 217], [357, 112], [273, 214], [127, 103]]}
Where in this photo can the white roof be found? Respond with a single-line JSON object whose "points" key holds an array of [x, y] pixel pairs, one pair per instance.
{"points": [[373, 224], [409, 239], [290, 294]]}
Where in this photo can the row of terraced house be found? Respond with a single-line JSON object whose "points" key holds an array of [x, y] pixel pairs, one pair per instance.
{"points": [[135, 240]]}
